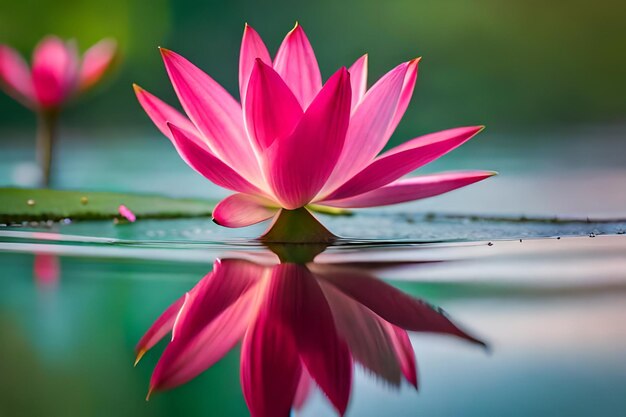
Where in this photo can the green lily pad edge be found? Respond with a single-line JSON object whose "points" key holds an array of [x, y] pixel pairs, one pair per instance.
{"points": [[18, 205]]}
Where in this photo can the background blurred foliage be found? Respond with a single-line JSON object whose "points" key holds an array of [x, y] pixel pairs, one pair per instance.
{"points": [[507, 64]]}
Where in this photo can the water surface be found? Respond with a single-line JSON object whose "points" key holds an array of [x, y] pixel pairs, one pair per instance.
{"points": [[532, 263]]}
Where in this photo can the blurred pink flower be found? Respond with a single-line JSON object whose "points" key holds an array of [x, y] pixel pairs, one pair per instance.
{"points": [[302, 325], [292, 141], [57, 74]]}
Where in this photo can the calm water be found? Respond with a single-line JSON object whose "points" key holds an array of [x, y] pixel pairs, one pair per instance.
{"points": [[550, 311], [547, 297]]}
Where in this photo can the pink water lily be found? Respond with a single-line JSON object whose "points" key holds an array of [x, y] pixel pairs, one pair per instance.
{"points": [[293, 141], [57, 75], [301, 326]]}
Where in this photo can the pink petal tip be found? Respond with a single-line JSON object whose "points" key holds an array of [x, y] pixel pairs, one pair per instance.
{"points": [[126, 213]]}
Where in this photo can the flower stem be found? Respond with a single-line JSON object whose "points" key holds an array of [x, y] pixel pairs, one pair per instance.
{"points": [[46, 132], [297, 226]]}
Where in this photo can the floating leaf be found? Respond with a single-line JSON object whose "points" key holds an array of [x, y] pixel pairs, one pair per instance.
{"points": [[19, 204]]}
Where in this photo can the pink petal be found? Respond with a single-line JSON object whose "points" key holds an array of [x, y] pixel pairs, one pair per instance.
{"points": [[55, 66], [306, 312], [15, 75], [410, 189], [187, 359], [305, 387], [404, 352], [301, 163], [358, 80], [405, 97], [96, 61], [126, 213], [271, 110], [252, 47], [214, 112], [161, 327], [230, 279], [212, 320], [161, 113], [239, 210], [365, 334], [369, 123], [209, 165], [270, 366], [403, 159], [390, 303], [297, 65]]}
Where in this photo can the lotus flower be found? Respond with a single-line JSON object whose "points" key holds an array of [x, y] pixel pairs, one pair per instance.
{"points": [[302, 325], [57, 75], [294, 142]]}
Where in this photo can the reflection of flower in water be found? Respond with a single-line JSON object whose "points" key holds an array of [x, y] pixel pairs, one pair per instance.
{"points": [[46, 269], [300, 324]]}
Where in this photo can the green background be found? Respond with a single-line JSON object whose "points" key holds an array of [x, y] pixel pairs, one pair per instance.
{"points": [[512, 65]]}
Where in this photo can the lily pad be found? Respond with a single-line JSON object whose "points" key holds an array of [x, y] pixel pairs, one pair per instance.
{"points": [[20, 204]]}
